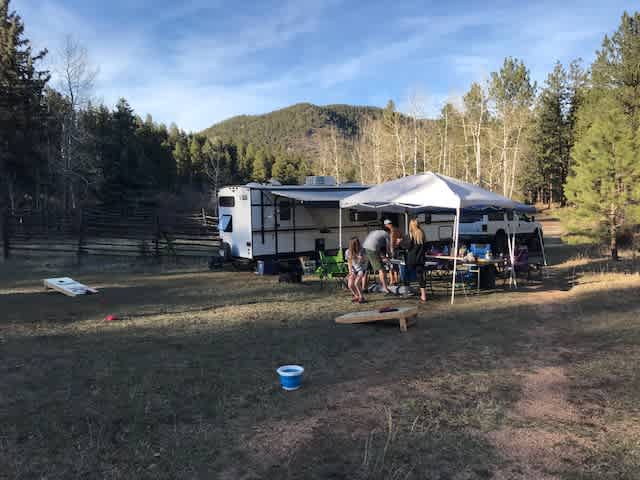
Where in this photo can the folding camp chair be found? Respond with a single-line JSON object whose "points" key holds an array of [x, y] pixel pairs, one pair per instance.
{"points": [[334, 268]]}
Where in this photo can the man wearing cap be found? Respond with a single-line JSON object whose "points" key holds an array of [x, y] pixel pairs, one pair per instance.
{"points": [[376, 246]]}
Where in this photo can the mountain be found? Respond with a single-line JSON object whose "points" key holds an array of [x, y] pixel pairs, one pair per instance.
{"points": [[296, 128]]}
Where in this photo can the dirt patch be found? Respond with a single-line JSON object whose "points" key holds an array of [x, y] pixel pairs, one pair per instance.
{"points": [[274, 442], [533, 453], [545, 396]]}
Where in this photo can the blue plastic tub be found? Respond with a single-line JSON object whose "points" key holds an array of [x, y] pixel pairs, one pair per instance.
{"points": [[290, 376]]}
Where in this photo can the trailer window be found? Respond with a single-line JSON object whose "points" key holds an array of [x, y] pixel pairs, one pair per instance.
{"points": [[365, 216], [471, 218], [226, 223], [496, 216], [284, 207], [227, 201]]}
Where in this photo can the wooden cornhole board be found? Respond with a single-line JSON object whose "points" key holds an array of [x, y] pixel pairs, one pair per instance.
{"points": [[68, 286], [406, 316]]}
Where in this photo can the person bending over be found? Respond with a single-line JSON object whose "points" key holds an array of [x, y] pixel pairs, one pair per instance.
{"points": [[357, 261], [374, 245], [395, 238]]}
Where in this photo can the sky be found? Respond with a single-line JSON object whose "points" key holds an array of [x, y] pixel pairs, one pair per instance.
{"points": [[197, 62]]}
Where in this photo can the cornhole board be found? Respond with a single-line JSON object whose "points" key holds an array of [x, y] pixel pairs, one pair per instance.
{"points": [[68, 286], [405, 315]]}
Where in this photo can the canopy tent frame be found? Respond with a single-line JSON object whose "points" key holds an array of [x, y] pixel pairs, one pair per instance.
{"points": [[449, 194]]}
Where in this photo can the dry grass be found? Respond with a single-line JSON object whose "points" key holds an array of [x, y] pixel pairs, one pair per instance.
{"points": [[535, 383]]}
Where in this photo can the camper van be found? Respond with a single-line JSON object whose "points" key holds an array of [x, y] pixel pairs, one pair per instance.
{"points": [[259, 221]]}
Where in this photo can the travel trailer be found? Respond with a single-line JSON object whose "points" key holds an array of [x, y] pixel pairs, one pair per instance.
{"points": [[271, 220]]}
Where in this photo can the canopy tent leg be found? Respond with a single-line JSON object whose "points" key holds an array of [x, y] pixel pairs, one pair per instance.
{"points": [[544, 255], [455, 254], [340, 227], [406, 223], [511, 244]]}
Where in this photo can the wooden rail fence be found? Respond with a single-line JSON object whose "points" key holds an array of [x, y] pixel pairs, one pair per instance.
{"points": [[140, 232]]}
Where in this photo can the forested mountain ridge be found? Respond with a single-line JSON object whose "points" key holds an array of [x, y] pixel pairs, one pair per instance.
{"points": [[297, 128]]}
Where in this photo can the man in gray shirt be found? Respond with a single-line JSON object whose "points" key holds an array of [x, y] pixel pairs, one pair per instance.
{"points": [[376, 245]]}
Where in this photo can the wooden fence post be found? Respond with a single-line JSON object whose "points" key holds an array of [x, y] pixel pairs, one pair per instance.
{"points": [[80, 236], [5, 234], [156, 237]]}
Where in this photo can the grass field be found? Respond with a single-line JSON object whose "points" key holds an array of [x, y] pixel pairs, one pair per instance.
{"points": [[535, 383]]}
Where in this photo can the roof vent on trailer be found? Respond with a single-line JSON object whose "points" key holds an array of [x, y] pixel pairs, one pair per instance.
{"points": [[320, 180]]}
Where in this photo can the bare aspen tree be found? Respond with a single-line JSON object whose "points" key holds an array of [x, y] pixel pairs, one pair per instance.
{"points": [[334, 152], [512, 94], [76, 79], [416, 113], [475, 107]]}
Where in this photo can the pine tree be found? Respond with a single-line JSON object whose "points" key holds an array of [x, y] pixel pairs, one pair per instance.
{"points": [[604, 187], [182, 158], [617, 67], [261, 166], [285, 170], [21, 113], [197, 159], [551, 137]]}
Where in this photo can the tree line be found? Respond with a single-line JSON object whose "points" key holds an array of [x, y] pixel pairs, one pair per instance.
{"points": [[59, 150], [573, 140]]}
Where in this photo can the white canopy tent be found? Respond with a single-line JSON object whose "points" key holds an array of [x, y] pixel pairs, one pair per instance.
{"points": [[434, 192]]}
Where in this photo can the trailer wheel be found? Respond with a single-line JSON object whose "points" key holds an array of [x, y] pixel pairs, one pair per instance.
{"points": [[227, 251]]}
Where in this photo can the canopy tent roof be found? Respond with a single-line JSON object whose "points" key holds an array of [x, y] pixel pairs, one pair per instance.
{"points": [[430, 191]]}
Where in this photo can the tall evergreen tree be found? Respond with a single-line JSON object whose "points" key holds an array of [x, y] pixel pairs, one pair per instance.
{"points": [[617, 67], [261, 166], [182, 158], [197, 159], [605, 185], [21, 113], [551, 137]]}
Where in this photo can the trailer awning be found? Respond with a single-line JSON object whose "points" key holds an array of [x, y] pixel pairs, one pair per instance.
{"points": [[319, 196]]}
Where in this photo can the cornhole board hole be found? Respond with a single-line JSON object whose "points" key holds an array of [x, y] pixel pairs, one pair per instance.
{"points": [[68, 286], [405, 315]]}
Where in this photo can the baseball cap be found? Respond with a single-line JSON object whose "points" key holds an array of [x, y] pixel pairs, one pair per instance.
{"points": [[387, 222]]}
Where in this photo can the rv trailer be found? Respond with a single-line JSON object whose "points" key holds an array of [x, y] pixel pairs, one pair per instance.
{"points": [[260, 221]]}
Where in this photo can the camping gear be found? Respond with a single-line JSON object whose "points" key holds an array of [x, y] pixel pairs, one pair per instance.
{"points": [[429, 192], [480, 250], [290, 376], [333, 267], [266, 267], [405, 316]]}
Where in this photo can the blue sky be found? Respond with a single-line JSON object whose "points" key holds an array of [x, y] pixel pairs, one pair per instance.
{"points": [[197, 62]]}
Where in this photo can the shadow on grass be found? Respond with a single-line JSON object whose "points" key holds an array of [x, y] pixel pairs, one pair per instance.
{"points": [[136, 400]]}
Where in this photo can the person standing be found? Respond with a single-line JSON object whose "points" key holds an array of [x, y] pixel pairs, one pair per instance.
{"points": [[357, 262], [416, 247], [376, 247]]}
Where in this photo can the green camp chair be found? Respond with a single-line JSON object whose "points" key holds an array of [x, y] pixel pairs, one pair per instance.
{"points": [[333, 268]]}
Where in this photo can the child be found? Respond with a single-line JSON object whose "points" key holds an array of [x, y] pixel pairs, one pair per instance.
{"points": [[357, 261]]}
